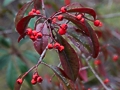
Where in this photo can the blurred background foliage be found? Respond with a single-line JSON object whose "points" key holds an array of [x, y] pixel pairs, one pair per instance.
{"points": [[17, 58]]}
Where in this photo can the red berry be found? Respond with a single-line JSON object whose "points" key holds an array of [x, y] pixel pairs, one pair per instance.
{"points": [[64, 26], [79, 17], [63, 9], [19, 81], [115, 57], [60, 17], [54, 20], [39, 35], [61, 31], [34, 32], [89, 89], [29, 31], [35, 76], [56, 45], [39, 79], [97, 62], [33, 81], [61, 48], [32, 38], [34, 10], [37, 12], [82, 20], [97, 22], [106, 81], [50, 46], [31, 13]]}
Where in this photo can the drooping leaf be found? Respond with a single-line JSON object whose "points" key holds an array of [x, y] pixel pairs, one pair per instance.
{"points": [[11, 75], [84, 10], [22, 25], [94, 40], [23, 68], [4, 59], [79, 24], [80, 40], [60, 77], [21, 12], [83, 73], [40, 44], [69, 60]]}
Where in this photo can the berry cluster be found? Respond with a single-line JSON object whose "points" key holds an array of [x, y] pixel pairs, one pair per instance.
{"points": [[62, 29], [36, 79], [33, 34], [33, 12], [97, 23], [80, 18], [56, 46]]}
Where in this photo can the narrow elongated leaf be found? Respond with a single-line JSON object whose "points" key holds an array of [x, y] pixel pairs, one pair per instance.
{"points": [[84, 10], [40, 44], [69, 60], [60, 77], [22, 25], [4, 60], [11, 75], [94, 40], [79, 24], [21, 12]]}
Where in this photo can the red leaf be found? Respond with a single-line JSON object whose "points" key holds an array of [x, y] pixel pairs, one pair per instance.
{"points": [[69, 60], [40, 44], [21, 12], [79, 24], [84, 10], [22, 25], [83, 73], [94, 39]]}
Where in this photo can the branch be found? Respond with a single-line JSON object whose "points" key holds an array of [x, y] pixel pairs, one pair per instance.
{"points": [[96, 75]]}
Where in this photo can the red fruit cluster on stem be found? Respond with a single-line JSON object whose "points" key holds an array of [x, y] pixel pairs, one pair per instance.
{"points": [[33, 34], [97, 23], [34, 11], [58, 46], [36, 78]]}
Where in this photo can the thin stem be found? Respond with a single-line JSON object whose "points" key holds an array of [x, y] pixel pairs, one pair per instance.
{"points": [[43, 8], [39, 61], [96, 75]]}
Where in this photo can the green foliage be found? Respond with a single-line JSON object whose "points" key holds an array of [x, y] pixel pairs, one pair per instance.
{"points": [[7, 2]]}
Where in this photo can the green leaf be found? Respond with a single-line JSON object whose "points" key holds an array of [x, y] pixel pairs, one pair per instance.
{"points": [[69, 59], [7, 2], [23, 68], [4, 60], [31, 56], [11, 75], [6, 42]]}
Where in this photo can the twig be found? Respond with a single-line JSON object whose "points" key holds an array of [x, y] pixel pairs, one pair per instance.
{"points": [[96, 75], [43, 8], [110, 15]]}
